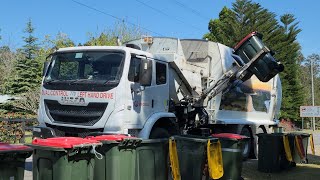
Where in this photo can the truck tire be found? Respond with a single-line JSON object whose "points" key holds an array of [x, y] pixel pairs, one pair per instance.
{"points": [[248, 145], [158, 133]]}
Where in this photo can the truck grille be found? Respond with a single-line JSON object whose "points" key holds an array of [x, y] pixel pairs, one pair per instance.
{"points": [[78, 115]]}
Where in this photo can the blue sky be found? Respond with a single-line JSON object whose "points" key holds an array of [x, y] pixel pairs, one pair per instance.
{"points": [[163, 17]]}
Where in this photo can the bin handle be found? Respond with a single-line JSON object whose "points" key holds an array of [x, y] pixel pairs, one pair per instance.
{"points": [[300, 148], [174, 161], [287, 148], [86, 145], [312, 144], [215, 163], [130, 142], [96, 153]]}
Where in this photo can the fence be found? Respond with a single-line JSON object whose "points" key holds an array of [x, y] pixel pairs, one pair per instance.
{"points": [[16, 130]]}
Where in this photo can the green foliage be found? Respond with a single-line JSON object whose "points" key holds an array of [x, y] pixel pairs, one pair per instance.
{"points": [[10, 132], [109, 37], [306, 78], [293, 96], [245, 17], [60, 41], [7, 59], [30, 48], [11, 128], [27, 69]]}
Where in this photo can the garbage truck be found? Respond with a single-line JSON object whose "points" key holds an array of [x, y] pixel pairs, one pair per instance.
{"points": [[155, 87]]}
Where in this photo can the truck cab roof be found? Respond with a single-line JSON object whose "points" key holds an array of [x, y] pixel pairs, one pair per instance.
{"points": [[101, 48]]}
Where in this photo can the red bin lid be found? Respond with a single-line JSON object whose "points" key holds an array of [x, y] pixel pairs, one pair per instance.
{"points": [[229, 136], [13, 147], [63, 142], [245, 39], [109, 137]]}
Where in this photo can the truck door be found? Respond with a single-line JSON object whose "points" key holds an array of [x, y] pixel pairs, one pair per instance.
{"points": [[149, 89], [140, 105], [160, 97]]}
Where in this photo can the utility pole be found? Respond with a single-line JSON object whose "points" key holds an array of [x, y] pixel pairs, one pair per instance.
{"points": [[312, 93]]}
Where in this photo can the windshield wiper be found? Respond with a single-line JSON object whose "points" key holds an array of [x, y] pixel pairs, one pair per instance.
{"points": [[51, 81], [114, 81], [79, 81]]}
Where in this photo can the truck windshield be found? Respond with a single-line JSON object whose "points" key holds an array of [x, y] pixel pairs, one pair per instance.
{"points": [[78, 69]]}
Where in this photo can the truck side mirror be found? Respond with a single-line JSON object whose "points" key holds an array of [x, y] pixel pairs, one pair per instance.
{"points": [[45, 67], [145, 75]]}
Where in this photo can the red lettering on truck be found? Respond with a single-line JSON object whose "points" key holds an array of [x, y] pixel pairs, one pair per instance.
{"points": [[54, 93], [81, 94], [97, 95]]}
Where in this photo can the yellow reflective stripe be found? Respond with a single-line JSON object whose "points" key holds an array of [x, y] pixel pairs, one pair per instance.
{"points": [[173, 156], [215, 163], [312, 144], [299, 147], [287, 148]]}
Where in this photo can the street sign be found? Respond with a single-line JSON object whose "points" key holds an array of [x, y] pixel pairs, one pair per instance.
{"points": [[309, 111]]}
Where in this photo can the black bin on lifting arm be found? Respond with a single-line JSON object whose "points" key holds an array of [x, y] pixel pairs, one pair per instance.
{"points": [[265, 67]]}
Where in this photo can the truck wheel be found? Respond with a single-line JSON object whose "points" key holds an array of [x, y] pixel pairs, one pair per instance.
{"points": [[248, 145], [158, 133]]}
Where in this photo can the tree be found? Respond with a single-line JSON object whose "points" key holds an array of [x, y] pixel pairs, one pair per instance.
{"points": [[60, 41], [306, 78], [27, 74], [28, 101], [245, 17], [109, 37], [290, 54], [7, 59], [49, 45]]}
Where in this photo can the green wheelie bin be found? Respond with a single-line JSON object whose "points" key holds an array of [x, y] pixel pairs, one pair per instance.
{"points": [[12, 161], [59, 158], [250, 47], [271, 152], [129, 158], [232, 146], [192, 156]]}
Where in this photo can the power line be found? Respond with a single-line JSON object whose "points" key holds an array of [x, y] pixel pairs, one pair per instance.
{"points": [[165, 14], [191, 10], [115, 17]]}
